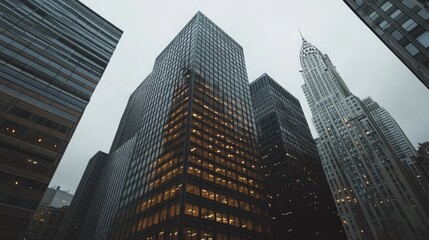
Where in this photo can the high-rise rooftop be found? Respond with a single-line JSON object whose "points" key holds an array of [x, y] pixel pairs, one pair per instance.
{"points": [[192, 170]]}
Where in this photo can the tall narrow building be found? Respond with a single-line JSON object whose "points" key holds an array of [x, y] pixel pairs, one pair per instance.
{"points": [[301, 205], [52, 56], [403, 26], [74, 219], [374, 194], [192, 168]]}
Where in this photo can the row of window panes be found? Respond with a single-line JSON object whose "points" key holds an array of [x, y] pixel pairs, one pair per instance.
{"points": [[235, 164], [158, 217], [165, 178], [207, 145], [221, 181], [198, 234], [220, 217], [208, 194], [225, 172], [31, 136], [148, 203]]}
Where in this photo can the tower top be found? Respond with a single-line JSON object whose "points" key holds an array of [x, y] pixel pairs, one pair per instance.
{"points": [[307, 49], [302, 37]]}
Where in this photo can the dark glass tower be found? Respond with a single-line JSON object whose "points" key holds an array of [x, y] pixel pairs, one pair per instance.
{"points": [[52, 55], [403, 26], [301, 203], [192, 164], [80, 206]]}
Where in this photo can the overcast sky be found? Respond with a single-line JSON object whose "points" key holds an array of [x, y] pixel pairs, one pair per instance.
{"points": [[268, 32]]}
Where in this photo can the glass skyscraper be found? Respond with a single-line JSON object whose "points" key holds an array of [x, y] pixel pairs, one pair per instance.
{"points": [[403, 26], [74, 219], [374, 194], [301, 205], [192, 168], [52, 55]]}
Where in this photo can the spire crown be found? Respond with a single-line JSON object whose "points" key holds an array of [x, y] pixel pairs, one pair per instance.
{"points": [[302, 37]]}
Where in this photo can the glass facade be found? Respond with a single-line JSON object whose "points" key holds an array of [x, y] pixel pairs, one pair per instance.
{"points": [[301, 205], [52, 55], [193, 170], [403, 26], [375, 196], [75, 217]]}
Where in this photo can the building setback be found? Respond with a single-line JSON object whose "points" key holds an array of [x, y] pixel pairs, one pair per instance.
{"points": [[80, 206], [106, 197], [301, 205], [52, 55], [403, 26], [192, 168], [374, 194], [398, 141], [391, 130]]}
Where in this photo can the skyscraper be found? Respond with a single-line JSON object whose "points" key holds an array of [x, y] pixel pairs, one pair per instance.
{"points": [[403, 26], [374, 194], [80, 206], [192, 168], [398, 141], [390, 128], [52, 55], [301, 205]]}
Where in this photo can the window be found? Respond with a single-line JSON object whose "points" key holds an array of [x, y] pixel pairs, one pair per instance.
{"points": [[408, 3], [424, 39], [409, 25], [374, 16], [386, 6], [395, 14], [384, 25], [359, 2], [424, 14], [412, 49], [397, 35]]}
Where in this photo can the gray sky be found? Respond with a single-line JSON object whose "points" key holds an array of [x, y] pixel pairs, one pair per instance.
{"points": [[268, 32]]}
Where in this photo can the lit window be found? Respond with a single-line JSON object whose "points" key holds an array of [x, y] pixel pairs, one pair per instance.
{"points": [[412, 49], [424, 39], [409, 25]]}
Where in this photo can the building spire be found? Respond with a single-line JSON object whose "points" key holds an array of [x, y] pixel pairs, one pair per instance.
{"points": [[302, 37]]}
